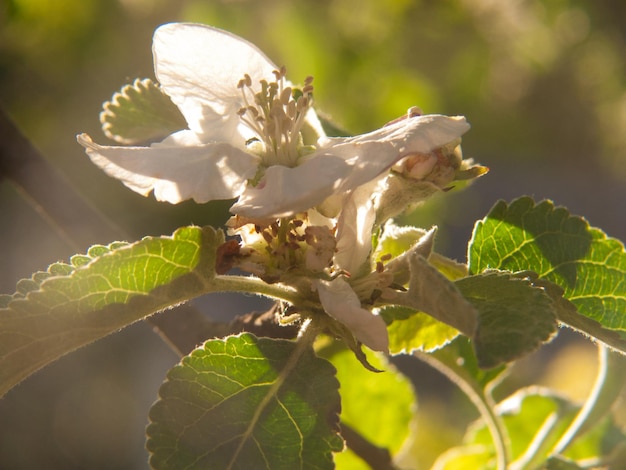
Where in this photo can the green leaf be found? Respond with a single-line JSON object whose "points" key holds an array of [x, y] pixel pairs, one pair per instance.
{"points": [[534, 419], [476, 457], [568, 314], [560, 248], [73, 305], [396, 240], [244, 402], [400, 245], [379, 406], [601, 440], [515, 317], [559, 463], [415, 331], [432, 293], [140, 113]]}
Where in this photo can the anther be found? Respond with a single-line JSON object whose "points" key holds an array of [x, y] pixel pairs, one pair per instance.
{"points": [[291, 109], [267, 236], [285, 96], [274, 228]]}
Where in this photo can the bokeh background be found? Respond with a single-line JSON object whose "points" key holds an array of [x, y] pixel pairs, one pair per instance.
{"points": [[543, 84]]}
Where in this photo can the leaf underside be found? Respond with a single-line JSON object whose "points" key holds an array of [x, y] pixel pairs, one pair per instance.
{"points": [[140, 113], [112, 286]]}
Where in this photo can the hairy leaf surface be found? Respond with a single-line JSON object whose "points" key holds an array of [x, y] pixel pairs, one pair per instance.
{"points": [[245, 402], [514, 316], [74, 304], [563, 249]]}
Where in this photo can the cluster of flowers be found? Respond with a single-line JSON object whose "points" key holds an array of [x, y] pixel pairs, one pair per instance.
{"points": [[307, 205]]}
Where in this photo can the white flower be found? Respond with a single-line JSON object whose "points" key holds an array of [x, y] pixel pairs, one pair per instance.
{"points": [[239, 145]]}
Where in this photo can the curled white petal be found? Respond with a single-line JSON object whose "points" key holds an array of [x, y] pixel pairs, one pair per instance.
{"points": [[175, 173], [285, 191], [341, 303], [199, 67], [375, 152], [354, 228]]}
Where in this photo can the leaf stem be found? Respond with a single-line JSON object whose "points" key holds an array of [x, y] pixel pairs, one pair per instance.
{"points": [[250, 284], [610, 381], [482, 401]]}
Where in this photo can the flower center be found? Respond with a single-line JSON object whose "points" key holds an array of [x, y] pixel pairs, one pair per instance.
{"points": [[277, 114]]}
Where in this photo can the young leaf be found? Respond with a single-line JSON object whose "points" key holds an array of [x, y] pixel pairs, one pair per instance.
{"points": [[415, 331], [244, 402], [560, 248], [559, 463], [535, 418], [430, 292], [465, 457], [396, 240], [515, 317], [140, 113], [605, 438], [71, 306]]}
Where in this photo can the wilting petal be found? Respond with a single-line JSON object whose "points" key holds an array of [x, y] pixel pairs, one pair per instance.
{"points": [[175, 173], [285, 191], [199, 67], [373, 153], [341, 303]]}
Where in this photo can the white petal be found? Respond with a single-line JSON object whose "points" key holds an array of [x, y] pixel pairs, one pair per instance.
{"points": [[286, 191], [199, 67], [373, 153], [354, 229], [175, 173], [341, 303]]}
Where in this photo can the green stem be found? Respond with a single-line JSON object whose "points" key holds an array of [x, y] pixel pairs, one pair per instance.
{"points": [[482, 401], [607, 388], [254, 285]]}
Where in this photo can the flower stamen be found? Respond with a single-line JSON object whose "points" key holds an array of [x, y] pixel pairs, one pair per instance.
{"points": [[277, 116]]}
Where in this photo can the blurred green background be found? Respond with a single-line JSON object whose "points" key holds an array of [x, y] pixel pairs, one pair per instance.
{"points": [[543, 84]]}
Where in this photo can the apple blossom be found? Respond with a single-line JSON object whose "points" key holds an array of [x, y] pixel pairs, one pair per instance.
{"points": [[251, 136]]}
